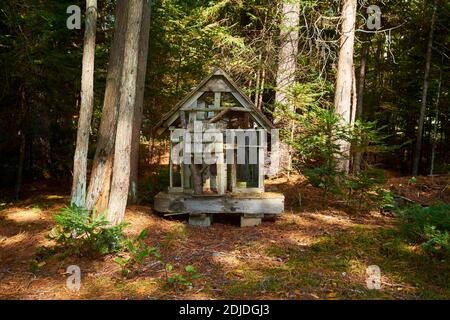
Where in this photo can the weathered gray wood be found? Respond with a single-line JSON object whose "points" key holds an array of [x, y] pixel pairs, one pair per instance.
{"points": [[265, 203], [261, 168], [170, 167], [217, 84], [219, 116], [255, 115], [213, 108], [174, 116], [188, 102], [221, 178], [217, 99]]}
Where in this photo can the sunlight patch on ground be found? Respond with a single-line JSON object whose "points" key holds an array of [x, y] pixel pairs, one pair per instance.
{"points": [[23, 215], [15, 239], [54, 197]]}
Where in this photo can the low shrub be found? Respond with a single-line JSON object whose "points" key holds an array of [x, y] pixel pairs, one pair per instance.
{"points": [[427, 226], [133, 253], [79, 231]]}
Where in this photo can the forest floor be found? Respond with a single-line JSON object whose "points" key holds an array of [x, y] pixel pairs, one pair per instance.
{"points": [[312, 251]]}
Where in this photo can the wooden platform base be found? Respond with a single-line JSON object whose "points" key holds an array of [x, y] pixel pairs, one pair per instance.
{"points": [[252, 207]]}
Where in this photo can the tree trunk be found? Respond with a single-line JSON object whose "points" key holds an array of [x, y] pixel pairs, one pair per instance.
{"points": [[360, 98], [362, 80], [78, 196], [418, 149], [287, 65], [122, 153], [142, 68], [289, 37], [436, 119], [18, 188], [343, 95], [100, 181], [354, 97], [261, 92]]}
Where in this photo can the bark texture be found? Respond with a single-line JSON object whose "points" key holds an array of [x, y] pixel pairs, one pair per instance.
{"points": [[100, 181], [122, 153], [423, 106], [357, 158], [142, 70], [289, 39], [78, 196], [344, 80]]}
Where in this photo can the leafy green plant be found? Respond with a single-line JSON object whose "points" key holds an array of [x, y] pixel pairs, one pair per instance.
{"points": [[429, 227], [412, 180], [178, 279], [36, 265], [364, 189], [385, 199], [317, 146], [79, 231], [134, 252], [319, 133]]}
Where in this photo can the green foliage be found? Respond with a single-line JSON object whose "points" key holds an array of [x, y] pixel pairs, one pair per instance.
{"points": [[134, 252], [317, 145], [178, 279], [79, 231], [413, 180], [317, 142], [385, 200], [319, 133], [427, 226], [36, 265], [365, 188]]}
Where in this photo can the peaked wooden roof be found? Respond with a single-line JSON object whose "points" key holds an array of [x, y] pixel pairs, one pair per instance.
{"points": [[245, 101]]}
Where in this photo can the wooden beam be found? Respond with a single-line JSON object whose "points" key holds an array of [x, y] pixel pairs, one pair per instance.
{"points": [[237, 109], [217, 99], [219, 116]]}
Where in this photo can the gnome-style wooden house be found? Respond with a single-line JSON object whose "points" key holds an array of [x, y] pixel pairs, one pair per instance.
{"points": [[218, 149]]}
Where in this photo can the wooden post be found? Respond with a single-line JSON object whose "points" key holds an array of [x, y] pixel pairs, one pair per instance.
{"points": [[170, 166], [217, 98], [261, 168]]}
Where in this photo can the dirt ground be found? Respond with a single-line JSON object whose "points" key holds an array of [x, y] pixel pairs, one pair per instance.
{"points": [[312, 252]]}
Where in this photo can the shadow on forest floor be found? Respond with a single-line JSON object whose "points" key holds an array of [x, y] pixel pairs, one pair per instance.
{"points": [[308, 253]]}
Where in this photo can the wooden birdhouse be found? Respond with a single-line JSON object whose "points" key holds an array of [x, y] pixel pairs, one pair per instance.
{"points": [[219, 146]]}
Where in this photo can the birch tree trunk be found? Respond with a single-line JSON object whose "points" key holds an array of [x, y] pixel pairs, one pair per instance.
{"points": [[100, 181], [78, 196], [418, 149], [287, 65], [344, 84], [122, 153], [142, 69]]}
